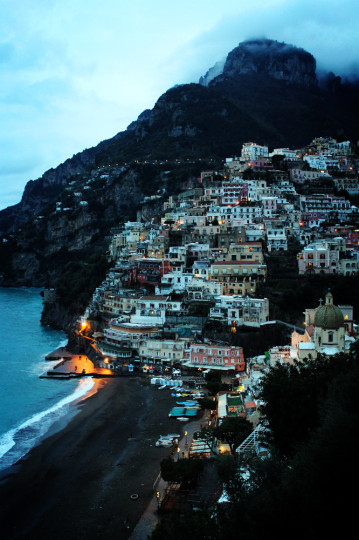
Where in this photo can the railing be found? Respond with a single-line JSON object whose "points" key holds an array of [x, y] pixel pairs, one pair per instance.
{"points": [[250, 444]]}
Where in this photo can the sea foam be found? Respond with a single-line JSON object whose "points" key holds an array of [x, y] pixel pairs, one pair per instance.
{"points": [[15, 443]]}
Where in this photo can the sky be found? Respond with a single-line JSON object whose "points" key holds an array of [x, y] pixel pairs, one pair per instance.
{"points": [[75, 72]]}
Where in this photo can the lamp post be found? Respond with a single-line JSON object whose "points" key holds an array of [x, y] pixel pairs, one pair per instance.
{"points": [[178, 453], [158, 499]]}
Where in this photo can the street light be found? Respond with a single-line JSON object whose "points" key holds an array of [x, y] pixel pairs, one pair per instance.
{"points": [[158, 498], [178, 453]]}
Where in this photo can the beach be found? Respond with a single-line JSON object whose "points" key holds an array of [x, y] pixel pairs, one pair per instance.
{"points": [[78, 482]]}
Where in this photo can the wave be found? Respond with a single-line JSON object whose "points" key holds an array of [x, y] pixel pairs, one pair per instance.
{"points": [[15, 443]]}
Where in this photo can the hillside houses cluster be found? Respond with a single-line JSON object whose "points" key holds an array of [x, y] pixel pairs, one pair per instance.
{"points": [[204, 257]]}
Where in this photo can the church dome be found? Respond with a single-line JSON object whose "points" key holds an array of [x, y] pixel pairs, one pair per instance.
{"points": [[329, 316]]}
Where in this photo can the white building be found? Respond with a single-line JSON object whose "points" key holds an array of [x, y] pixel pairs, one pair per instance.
{"points": [[276, 237], [174, 282], [252, 151], [152, 309], [240, 311], [290, 155], [199, 289]]}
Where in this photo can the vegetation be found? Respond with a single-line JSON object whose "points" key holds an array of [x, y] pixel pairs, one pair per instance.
{"points": [[213, 382], [232, 431], [183, 471], [301, 490], [78, 281]]}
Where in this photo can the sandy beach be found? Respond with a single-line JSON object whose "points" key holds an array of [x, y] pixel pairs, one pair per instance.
{"points": [[78, 482]]}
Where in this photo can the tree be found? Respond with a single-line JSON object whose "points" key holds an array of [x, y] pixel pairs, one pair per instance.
{"points": [[213, 382], [293, 396], [184, 471], [233, 431], [207, 435], [207, 403], [303, 495]]}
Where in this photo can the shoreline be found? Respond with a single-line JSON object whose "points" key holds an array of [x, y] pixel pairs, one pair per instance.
{"points": [[77, 482]]}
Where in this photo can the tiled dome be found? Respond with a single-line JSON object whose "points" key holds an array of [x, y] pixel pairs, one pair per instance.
{"points": [[329, 316]]}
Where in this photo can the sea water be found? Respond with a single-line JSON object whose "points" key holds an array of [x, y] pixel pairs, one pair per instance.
{"points": [[29, 406]]}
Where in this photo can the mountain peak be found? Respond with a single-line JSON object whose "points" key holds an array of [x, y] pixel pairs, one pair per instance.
{"points": [[265, 56]]}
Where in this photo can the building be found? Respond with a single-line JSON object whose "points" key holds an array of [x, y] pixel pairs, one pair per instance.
{"points": [[158, 350], [240, 311], [326, 331], [122, 339], [320, 257], [200, 289], [215, 356], [252, 151], [149, 271], [276, 236], [232, 274], [152, 309]]}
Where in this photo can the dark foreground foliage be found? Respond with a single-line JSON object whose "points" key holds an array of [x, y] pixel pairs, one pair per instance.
{"points": [[303, 489]]}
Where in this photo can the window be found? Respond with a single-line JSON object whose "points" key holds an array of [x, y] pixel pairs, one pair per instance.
{"points": [[330, 337]]}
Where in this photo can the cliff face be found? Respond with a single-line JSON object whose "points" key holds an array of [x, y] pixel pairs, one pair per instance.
{"points": [[277, 60]]}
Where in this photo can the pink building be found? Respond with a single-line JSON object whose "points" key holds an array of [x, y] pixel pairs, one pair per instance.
{"points": [[224, 357]]}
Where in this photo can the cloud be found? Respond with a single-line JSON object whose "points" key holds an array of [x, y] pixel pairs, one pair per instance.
{"points": [[326, 29]]}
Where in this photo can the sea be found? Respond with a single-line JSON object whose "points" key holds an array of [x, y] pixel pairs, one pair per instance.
{"points": [[31, 408]]}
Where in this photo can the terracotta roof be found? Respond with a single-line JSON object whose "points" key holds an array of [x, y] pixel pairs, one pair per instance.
{"points": [[250, 405], [310, 330]]}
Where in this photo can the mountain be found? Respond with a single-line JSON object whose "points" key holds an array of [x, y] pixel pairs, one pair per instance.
{"points": [[264, 91], [266, 57]]}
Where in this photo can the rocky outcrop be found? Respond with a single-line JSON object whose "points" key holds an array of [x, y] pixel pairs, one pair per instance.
{"points": [[212, 73], [58, 317], [278, 60]]}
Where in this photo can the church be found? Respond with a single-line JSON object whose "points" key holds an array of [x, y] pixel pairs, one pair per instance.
{"points": [[328, 330]]}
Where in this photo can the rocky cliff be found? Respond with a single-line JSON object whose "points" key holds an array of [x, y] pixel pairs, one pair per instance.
{"points": [[272, 58]]}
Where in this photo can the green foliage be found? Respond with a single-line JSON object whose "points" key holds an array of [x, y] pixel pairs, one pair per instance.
{"points": [[183, 471], [79, 279], [207, 434], [289, 296], [303, 494], [213, 382], [233, 431], [293, 397], [207, 403], [185, 525]]}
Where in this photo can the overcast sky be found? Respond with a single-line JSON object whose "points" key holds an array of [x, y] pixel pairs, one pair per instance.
{"points": [[75, 72]]}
